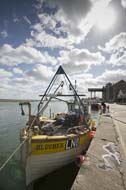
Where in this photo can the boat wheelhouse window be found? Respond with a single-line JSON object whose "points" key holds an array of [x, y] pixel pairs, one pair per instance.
{"points": [[72, 107]]}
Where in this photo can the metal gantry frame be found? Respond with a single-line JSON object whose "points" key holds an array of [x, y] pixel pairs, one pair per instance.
{"points": [[76, 96]]}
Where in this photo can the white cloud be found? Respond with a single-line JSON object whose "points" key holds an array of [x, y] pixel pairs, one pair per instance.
{"points": [[62, 30], [43, 39], [70, 24], [32, 84], [86, 80], [78, 17], [117, 42], [29, 85], [79, 60], [57, 36], [23, 81], [83, 82], [13, 89], [5, 74], [17, 71], [112, 76], [92, 17], [4, 34], [47, 21], [40, 72], [23, 54], [73, 10], [117, 48], [123, 3], [118, 59]]}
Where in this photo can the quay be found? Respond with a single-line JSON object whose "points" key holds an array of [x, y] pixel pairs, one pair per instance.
{"points": [[104, 167]]}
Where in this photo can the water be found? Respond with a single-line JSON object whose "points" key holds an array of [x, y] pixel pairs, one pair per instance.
{"points": [[13, 176]]}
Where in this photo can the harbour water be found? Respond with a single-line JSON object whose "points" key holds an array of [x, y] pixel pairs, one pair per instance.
{"points": [[12, 176]]}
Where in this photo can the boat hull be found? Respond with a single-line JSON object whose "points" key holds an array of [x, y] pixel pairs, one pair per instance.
{"points": [[95, 107], [51, 154]]}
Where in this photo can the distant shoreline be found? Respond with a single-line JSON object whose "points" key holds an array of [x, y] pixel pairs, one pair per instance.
{"points": [[17, 100]]}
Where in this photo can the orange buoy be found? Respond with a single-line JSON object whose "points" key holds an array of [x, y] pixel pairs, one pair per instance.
{"points": [[92, 134]]}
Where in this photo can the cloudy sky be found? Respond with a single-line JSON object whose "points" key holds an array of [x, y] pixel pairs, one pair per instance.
{"points": [[86, 37]]}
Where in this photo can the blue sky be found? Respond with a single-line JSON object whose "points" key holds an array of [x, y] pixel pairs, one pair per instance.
{"points": [[88, 38]]}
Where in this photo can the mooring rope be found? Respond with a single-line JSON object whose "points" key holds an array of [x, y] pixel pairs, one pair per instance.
{"points": [[18, 147], [13, 153]]}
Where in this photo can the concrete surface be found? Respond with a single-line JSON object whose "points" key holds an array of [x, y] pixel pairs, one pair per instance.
{"points": [[103, 168], [118, 113]]}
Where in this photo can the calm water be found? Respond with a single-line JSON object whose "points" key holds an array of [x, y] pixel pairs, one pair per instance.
{"points": [[12, 176]]}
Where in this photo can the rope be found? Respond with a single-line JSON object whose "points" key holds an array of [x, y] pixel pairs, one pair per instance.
{"points": [[11, 156], [18, 147]]}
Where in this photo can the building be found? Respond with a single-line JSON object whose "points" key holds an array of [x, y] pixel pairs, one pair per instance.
{"points": [[115, 92], [119, 91], [107, 94]]}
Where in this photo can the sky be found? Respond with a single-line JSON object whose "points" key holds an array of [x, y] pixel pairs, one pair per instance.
{"points": [[86, 37]]}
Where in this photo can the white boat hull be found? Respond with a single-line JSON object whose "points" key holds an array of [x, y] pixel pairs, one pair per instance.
{"points": [[39, 166], [41, 161]]}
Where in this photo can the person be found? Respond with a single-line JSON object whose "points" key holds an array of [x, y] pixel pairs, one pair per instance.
{"points": [[103, 107], [107, 108]]}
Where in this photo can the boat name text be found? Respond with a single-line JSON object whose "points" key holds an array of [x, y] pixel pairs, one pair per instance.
{"points": [[49, 146]]}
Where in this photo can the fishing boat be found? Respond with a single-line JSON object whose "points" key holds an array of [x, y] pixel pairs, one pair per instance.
{"points": [[49, 143], [95, 105]]}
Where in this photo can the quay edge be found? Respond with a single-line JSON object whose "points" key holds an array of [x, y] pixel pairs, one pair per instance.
{"points": [[103, 166]]}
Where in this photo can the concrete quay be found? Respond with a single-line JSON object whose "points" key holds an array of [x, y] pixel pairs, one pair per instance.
{"points": [[105, 163]]}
